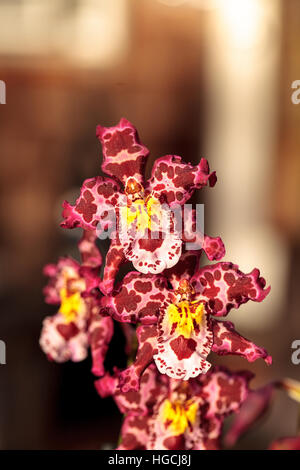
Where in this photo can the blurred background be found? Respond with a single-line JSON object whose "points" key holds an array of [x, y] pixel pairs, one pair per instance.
{"points": [[197, 78]]}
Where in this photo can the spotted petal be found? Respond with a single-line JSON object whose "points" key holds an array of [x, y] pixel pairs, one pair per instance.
{"points": [[100, 333], [62, 342], [211, 431], [134, 402], [153, 255], [107, 385], [224, 287], [195, 239], [224, 391], [124, 155], [228, 341], [214, 248], [147, 339], [134, 433], [90, 254], [94, 207], [138, 298], [173, 181], [255, 406], [55, 272]]}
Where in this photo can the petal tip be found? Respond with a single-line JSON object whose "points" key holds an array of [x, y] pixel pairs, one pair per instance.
{"points": [[269, 360]]}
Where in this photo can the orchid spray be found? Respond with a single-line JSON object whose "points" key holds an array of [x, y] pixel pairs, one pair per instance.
{"points": [[169, 307]]}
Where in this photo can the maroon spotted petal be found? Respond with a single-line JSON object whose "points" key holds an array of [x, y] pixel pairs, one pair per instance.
{"points": [[138, 298], [63, 342], [115, 257], [124, 155], [134, 433], [224, 287], [147, 338], [195, 239], [90, 254], [228, 341], [95, 206], [224, 391], [174, 181]]}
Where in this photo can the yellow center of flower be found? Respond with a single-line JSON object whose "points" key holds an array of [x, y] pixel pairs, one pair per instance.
{"points": [[141, 213], [185, 315], [70, 305], [178, 416]]}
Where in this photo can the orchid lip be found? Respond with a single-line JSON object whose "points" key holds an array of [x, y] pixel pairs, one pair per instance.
{"points": [[178, 415]]}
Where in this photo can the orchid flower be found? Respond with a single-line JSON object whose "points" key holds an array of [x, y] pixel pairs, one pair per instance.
{"points": [[175, 415], [177, 329], [80, 321], [139, 214]]}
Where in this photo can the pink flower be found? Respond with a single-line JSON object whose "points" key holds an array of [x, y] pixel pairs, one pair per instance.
{"points": [[174, 415], [140, 214], [177, 329], [81, 322]]}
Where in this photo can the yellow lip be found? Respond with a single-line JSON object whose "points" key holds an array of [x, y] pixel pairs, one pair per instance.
{"points": [[141, 213], [185, 315]]}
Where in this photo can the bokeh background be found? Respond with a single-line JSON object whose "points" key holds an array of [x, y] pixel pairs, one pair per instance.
{"points": [[198, 78]]}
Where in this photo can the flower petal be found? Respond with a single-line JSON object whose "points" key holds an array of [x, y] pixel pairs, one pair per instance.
{"points": [[286, 443], [214, 248], [183, 357], [254, 407], [209, 437], [124, 155], [225, 287], [147, 338], [184, 269], [100, 333], [173, 181], [107, 385], [114, 259], [62, 342], [55, 272], [134, 402], [98, 197], [224, 391], [91, 260], [228, 341], [154, 255], [134, 433], [138, 298]]}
